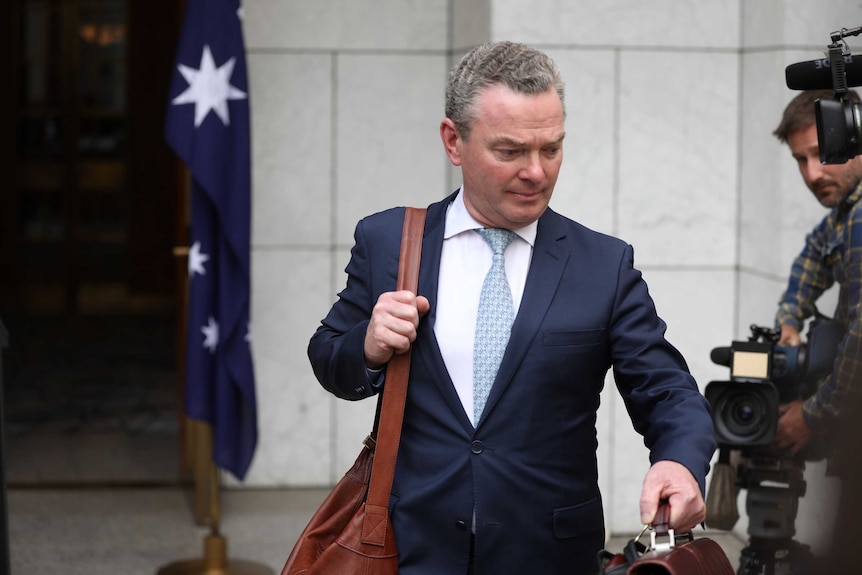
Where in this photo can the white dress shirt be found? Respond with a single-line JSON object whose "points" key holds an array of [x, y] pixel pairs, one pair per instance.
{"points": [[464, 262]]}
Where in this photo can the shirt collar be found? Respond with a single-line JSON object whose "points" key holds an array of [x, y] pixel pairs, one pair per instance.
{"points": [[459, 220], [844, 207], [854, 197]]}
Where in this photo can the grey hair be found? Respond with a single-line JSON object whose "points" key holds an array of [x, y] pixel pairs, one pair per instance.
{"points": [[518, 67]]}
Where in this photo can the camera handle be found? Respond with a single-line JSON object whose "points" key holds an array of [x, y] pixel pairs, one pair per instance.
{"points": [[836, 65], [836, 52]]}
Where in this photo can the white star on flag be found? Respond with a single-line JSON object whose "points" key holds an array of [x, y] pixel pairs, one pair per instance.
{"points": [[210, 332], [197, 259], [209, 88]]}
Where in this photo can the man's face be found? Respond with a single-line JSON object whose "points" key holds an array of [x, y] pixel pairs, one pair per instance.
{"points": [[511, 160], [830, 183]]}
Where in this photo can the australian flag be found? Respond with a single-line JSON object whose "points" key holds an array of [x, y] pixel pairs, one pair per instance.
{"points": [[208, 127]]}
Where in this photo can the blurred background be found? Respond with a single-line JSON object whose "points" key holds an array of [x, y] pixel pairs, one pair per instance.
{"points": [[670, 111]]}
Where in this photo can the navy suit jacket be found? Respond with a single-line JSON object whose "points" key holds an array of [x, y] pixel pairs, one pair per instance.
{"points": [[528, 470]]}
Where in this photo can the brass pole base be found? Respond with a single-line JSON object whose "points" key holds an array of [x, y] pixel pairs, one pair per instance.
{"points": [[215, 562]]}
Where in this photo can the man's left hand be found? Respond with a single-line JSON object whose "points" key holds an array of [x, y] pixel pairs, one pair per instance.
{"points": [[672, 481]]}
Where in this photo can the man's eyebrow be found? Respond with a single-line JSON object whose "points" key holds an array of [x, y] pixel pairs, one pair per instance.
{"points": [[813, 150], [507, 141]]}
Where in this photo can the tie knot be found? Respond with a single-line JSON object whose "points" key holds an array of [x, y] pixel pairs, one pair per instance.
{"points": [[498, 238]]}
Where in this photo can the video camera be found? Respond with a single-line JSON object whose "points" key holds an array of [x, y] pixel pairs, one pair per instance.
{"points": [[764, 375], [839, 121]]}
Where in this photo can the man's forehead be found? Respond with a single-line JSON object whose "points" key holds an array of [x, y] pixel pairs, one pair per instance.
{"points": [[503, 106], [803, 139], [513, 140]]}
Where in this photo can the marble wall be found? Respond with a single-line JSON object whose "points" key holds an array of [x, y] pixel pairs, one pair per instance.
{"points": [[670, 109]]}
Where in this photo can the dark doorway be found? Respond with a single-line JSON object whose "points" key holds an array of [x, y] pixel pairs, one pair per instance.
{"points": [[88, 221]]}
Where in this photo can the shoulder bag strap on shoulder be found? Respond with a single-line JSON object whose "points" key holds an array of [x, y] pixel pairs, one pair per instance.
{"points": [[394, 391]]}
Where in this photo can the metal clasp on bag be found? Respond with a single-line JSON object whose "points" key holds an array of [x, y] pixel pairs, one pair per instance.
{"points": [[653, 545], [667, 546]]}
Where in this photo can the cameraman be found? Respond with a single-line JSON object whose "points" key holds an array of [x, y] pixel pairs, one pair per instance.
{"points": [[832, 253]]}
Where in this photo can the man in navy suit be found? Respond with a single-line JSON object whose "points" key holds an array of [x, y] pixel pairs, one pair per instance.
{"points": [[512, 488]]}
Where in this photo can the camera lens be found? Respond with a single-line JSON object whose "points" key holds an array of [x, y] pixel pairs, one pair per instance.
{"points": [[839, 129], [743, 412]]}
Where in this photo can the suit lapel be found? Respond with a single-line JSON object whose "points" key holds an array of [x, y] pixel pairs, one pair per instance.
{"points": [[432, 248], [546, 268], [429, 271]]}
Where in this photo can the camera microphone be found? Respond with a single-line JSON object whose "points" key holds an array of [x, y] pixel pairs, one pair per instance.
{"points": [[721, 356], [817, 74]]}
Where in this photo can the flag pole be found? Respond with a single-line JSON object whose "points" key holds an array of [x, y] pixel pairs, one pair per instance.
{"points": [[215, 557], [206, 495]]}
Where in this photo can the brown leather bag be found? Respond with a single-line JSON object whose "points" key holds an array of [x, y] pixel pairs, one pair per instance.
{"points": [[697, 557], [691, 557], [350, 533]]}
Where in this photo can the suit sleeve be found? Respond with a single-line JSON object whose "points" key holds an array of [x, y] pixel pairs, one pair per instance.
{"points": [[662, 398], [336, 349]]}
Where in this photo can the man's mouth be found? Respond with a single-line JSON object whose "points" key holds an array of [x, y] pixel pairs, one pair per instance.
{"points": [[527, 193], [824, 189]]}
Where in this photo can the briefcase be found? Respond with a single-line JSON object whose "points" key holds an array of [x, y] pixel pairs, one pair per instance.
{"points": [[667, 554]]}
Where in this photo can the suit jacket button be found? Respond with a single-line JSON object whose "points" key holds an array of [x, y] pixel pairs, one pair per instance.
{"points": [[477, 447], [460, 525]]}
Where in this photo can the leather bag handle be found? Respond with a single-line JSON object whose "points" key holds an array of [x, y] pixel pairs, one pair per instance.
{"points": [[661, 523], [661, 528], [374, 529]]}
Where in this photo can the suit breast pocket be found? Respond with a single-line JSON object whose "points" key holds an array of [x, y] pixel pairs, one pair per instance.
{"points": [[578, 338]]}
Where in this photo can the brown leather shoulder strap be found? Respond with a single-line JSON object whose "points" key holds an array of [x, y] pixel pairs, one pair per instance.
{"points": [[394, 391], [411, 249]]}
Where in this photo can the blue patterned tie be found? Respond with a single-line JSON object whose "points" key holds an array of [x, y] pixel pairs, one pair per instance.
{"points": [[493, 322]]}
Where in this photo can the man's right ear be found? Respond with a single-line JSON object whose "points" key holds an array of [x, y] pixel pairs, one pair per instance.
{"points": [[451, 141]]}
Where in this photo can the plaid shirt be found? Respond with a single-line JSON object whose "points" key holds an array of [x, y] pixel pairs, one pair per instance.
{"points": [[832, 253]]}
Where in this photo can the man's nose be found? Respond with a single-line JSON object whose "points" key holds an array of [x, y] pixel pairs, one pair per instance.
{"points": [[814, 167], [533, 169]]}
